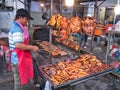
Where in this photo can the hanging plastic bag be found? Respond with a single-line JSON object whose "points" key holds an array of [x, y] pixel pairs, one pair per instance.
{"points": [[112, 53], [117, 54], [48, 86]]}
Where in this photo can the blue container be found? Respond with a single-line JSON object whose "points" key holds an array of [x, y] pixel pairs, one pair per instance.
{"points": [[117, 54]]}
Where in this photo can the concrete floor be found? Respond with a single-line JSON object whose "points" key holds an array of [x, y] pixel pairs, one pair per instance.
{"points": [[6, 78]]}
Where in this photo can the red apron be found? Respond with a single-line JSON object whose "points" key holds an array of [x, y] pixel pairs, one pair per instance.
{"points": [[25, 65]]}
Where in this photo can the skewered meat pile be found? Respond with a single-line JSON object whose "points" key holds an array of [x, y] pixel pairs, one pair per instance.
{"points": [[72, 69], [70, 43], [55, 50]]}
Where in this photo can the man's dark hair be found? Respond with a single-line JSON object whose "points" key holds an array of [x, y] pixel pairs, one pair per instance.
{"points": [[23, 13]]}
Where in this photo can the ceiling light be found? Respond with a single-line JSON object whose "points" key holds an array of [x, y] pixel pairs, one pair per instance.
{"points": [[42, 4], [69, 2]]}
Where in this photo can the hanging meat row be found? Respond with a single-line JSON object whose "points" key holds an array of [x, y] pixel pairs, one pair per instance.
{"points": [[73, 25]]}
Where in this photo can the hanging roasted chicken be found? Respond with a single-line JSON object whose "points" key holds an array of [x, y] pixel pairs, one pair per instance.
{"points": [[52, 21], [63, 30], [58, 21], [74, 25], [88, 25]]}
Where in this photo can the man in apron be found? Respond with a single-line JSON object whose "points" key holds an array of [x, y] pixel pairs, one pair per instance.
{"points": [[20, 57]]}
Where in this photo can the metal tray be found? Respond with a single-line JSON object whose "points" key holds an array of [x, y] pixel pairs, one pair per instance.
{"points": [[76, 81]]}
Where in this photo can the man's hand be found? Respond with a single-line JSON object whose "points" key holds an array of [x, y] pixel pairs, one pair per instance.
{"points": [[35, 49]]}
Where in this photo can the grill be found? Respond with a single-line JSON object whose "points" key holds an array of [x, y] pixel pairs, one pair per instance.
{"points": [[44, 57], [41, 34]]}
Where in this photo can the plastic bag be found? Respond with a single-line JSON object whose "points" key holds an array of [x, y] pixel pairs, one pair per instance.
{"points": [[117, 54], [48, 86]]}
